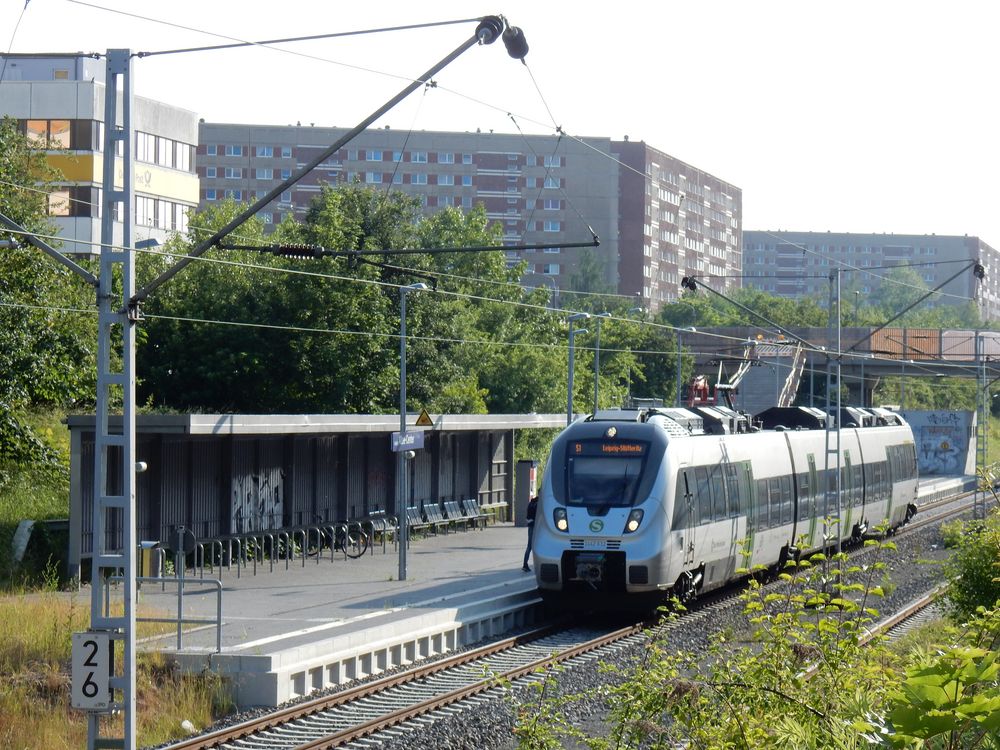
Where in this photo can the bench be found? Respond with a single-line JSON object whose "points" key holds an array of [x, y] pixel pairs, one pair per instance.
{"points": [[472, 511], [379, 525], [496, 511], [415, 522], [455, 515], [432, 512]]}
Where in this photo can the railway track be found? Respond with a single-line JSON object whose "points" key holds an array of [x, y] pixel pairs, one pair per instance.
{"points": [[399, 703]]}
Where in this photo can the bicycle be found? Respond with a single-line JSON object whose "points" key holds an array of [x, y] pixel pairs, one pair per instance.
{"points": [[351, 540]]}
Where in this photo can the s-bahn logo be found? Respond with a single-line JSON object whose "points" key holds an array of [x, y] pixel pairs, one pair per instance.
{"points": [[597, 525]]}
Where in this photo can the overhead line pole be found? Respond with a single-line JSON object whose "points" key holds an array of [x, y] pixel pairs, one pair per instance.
{"points": [[487, 32]]}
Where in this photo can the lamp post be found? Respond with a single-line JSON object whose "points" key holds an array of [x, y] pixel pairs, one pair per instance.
{"points": [[550, 281], [690, 329], [628, 392], [598, 319], [401, 453], [569, 378]]}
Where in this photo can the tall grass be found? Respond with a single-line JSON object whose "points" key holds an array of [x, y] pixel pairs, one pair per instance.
{"points": [[35, 649]]}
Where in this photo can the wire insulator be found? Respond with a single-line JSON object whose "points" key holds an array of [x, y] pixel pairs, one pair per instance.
{"points": [[489, 29], [300, 252], [514, 41]]}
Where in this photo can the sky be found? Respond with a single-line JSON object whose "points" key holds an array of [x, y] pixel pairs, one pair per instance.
{"points": [[874, 116]]}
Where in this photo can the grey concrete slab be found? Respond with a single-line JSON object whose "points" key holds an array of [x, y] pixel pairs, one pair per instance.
{"points": [[283, 609]]}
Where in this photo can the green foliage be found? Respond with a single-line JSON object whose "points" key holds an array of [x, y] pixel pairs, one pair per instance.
{"points": [[46, 336], [323, 337], [950, 698], [974, 567]]}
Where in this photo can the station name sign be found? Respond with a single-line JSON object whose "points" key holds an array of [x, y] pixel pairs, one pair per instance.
{"points": [[407, 441]]}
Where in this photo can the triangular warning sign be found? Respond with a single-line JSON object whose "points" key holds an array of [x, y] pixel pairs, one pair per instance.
{"points": [[424, 420]]}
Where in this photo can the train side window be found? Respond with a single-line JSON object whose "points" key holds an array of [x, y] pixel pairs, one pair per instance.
{"points": [[803, 500], [681, 500], [762, 503], [786, 499], [774, 501], [704, 493], [733, 489], [718, 494]]}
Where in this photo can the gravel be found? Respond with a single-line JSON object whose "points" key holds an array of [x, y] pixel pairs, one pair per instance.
{"points": [[913, 569]]}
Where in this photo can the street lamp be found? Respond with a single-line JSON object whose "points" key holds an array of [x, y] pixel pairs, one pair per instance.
{"points": [[569, 378], [401, 453], [598, 319], [550, 281], [689, 329]]}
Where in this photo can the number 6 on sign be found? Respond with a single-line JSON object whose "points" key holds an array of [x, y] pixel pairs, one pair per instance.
{"points": [[91, 671]]}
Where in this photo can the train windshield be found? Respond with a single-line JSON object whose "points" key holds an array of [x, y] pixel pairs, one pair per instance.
{"points": [[603, 473]]}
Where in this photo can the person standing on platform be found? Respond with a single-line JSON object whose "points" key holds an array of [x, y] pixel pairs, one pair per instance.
{"points": [[530, 516]]}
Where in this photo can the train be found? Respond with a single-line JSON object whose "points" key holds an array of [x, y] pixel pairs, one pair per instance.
{"points": [[643, 505]]}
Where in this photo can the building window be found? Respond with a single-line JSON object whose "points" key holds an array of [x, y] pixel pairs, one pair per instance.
{"points": [[552, 161], [373, 178], [267, 151], [286, 173], [210, 172], [236, 195], [466, 158], [550, 269], [446, 179], [211, 149], [267, 217], [59, 202], [286, 197], [553, 250], [553, 226], [210, 194], [467, 180], [375, 155], [418, 157], [234, 173], [467, 201], [446, 158], [397, 156], [286, 152], [552, 204], [551, 182], [265, 174], [234, 150], [418, 179]]}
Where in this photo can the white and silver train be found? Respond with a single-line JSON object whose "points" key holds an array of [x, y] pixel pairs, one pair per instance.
{"points": [[639, 504]]}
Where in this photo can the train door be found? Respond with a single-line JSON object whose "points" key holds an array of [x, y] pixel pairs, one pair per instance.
{"points": [[811, 501], [748, 496], [847, 491], [686, 485]]}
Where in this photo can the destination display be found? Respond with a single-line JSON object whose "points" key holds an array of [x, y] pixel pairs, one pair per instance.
{"points": [[609, 448]]}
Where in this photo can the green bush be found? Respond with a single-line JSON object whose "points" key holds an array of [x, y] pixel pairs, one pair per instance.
{"points": [[953, 531], [974, 568]]}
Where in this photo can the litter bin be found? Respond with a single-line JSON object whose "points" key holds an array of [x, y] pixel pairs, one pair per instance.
{"points": [[150, 560], [525, 486]]}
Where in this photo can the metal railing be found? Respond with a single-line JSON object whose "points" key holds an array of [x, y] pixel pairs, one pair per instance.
{"points": [[180, 620], [264, 549]]}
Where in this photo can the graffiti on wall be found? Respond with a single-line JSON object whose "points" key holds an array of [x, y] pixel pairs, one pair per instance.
{"points": [[257, 502], [942, 440]]}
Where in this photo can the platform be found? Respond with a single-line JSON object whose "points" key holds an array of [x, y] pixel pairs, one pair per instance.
{"points": [[289, 632]]}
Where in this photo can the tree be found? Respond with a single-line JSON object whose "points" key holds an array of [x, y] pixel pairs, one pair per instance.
{"points": [[283, 335], [276, 335], [46, 336]]}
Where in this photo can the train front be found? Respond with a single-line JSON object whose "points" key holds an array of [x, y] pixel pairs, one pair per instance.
{"points": [[601, 523]]}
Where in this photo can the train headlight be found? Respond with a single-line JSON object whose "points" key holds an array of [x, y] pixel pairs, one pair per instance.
{"points": [[634, 519], [560, 519]]}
